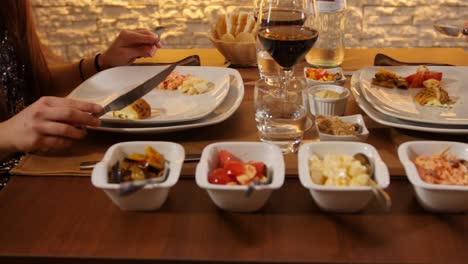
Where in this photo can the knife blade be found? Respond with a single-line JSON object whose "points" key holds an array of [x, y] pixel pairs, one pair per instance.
{"points": [[452, 31], [384, 60], [137, 92]]}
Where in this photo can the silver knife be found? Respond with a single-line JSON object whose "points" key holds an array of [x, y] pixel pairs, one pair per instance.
{"points": [[137, 92], [452, 31]]}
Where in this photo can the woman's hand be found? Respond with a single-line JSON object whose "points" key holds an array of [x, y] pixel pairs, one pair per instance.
{"points": [[49, 123], [129, 46]]}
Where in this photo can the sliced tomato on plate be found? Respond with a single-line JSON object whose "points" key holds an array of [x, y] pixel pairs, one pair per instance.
{"points": [[417, 80], [410, 78], [429, 75], [433, 75]]}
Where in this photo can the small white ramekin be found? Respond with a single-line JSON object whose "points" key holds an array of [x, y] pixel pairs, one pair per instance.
{"points": [[328, 106]]}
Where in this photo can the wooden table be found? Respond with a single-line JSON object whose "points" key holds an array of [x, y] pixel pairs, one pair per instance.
{"points": [[66, 220]]}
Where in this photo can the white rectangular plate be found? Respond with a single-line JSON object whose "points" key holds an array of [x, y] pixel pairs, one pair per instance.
{"points": [[400, 103], [396, 122], [172, 105], [221, 113]]}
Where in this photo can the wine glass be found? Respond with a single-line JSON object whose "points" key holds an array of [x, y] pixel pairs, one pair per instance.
{"points": [[283, 33]]}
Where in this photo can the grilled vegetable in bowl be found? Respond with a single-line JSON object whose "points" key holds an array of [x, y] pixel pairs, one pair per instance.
{"points": [[137, 167], [154, 191]]}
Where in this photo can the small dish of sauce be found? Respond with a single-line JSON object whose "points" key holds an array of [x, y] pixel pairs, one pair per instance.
{"points": [[328, 94]]}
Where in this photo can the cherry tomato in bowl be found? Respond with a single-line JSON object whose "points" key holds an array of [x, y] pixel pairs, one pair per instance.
{"points": [[254, 156]]}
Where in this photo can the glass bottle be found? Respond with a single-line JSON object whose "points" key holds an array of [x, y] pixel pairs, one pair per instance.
{"points": [[329, 20]]}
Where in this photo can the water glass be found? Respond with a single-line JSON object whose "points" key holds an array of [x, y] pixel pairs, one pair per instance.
{"points": [[280, 115]]}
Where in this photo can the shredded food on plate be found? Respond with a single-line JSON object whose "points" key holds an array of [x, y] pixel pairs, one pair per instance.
{"points": [[443, 168], [173, 81]]}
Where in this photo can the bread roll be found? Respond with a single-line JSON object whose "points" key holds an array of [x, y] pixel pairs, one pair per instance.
{"points": [[241, 22], [231, 23], [220, 28]]}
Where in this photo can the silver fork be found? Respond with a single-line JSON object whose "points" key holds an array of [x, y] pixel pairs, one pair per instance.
{"points": [[89, 165], [127, 188], [163, 28]]}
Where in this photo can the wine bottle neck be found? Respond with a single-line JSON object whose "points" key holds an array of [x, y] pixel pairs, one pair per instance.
{"points": [[330, 6]]}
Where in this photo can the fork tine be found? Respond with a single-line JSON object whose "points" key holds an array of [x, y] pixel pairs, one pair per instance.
{"points": [[161, 29]]}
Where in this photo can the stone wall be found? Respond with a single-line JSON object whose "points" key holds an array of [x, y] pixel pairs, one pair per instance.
{"points": [[77, 28]]}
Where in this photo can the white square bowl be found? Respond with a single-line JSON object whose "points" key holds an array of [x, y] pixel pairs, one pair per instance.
{"points": [[344, 199], [328, 106], [335, 70], [356, 119], [434, 197], [151, 197], [233, 198]]}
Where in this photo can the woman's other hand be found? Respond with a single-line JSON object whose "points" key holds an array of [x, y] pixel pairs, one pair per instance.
{"points": [[129, 46], [49, 123]]}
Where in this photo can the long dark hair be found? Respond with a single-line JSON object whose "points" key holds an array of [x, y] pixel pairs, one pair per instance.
{"points": [[17, 18]]}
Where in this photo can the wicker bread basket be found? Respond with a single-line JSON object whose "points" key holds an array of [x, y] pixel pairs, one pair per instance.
{"points": [[237, 53]]}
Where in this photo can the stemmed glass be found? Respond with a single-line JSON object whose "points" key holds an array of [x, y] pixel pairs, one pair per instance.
{"points": [[283, 33], [281, 104]]}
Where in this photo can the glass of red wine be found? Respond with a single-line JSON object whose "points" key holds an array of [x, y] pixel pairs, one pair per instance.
{"points": [[283, 33]]}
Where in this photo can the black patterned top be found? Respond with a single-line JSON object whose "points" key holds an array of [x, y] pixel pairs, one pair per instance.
{"points": [[14, 96]]}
